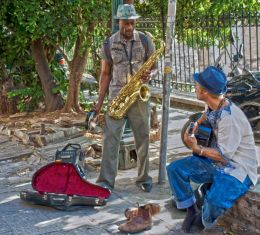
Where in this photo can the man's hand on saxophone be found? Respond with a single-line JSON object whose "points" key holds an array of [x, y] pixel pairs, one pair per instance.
{"points": [[146, 76], [149, 73]]}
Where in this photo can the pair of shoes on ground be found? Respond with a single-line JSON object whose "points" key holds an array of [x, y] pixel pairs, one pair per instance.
{"points": [[139, 218], [153, 208]]}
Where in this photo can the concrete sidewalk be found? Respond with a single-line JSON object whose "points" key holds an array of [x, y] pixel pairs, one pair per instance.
{"points": [[20, 218]]}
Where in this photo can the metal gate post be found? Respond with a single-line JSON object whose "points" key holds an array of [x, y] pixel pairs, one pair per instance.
{"points": [[168, 73]]}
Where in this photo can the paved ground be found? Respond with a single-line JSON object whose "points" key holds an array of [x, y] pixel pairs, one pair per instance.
{"points": [[20, 218]]}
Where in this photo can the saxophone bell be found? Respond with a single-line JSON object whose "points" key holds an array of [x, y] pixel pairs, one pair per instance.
{"points": [[144, 93]]}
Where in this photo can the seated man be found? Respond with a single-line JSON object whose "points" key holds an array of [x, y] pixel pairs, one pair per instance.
{"points": [[229, 163]]}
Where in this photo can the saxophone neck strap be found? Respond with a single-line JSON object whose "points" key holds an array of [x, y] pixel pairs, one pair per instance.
{"points": [[130, 55]]}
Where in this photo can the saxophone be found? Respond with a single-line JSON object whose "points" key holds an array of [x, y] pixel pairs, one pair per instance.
{"points": [[133, 89]]}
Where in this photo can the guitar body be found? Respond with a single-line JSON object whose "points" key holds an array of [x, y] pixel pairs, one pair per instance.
{"points": [[204, 133]]}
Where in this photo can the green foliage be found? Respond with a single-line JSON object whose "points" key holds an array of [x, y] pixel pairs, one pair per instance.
{"points": [[151, 12], [77, 18], [57, 23], [29, 97], [191, 15], [84, 103], [16, 63], [62, 23], [100, 32], [209, 19], [59, 73]]}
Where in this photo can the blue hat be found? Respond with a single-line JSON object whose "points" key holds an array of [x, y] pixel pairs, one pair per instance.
{"points": [[213, 80]]}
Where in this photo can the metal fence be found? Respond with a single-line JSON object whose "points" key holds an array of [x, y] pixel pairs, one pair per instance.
{"points": [[207, 40], [201, 41]]}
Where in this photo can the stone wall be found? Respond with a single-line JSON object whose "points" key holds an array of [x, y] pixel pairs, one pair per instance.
{"points": [[243, 218]]}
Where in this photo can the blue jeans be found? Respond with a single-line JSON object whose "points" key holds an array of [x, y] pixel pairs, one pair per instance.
{"points": [[223, 193]]}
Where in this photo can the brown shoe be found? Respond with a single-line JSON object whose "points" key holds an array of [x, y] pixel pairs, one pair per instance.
{"points": [[153, 209], [137, 223]]}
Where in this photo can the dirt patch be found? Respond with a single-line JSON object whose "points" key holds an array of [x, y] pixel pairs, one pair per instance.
{"points": [[56, 117]]}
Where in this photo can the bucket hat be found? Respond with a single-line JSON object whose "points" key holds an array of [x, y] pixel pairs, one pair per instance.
{"points": [[126, 12], [213, 80]]}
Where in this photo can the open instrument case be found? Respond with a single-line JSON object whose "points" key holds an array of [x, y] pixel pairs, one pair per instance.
{"points": [[63, 183]]}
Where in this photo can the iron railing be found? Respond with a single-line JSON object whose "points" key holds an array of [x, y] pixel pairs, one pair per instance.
{"points": [[201, 41], [205, 39]]}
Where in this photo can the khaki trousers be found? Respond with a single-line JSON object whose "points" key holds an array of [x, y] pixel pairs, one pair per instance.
{"points": [[139, 119]]}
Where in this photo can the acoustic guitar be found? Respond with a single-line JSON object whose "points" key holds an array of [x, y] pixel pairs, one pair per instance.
{"points": [[203, 134]]}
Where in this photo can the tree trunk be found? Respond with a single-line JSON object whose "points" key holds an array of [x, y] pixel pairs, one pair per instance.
{"points": [[76, 69], [52, 101]]}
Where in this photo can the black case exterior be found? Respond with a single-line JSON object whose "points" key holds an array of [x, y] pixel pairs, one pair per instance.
{"points": [[72, 153], [60, 201]]}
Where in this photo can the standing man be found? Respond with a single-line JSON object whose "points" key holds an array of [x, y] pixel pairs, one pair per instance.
{"points": [[122, 55], [229, 163]]}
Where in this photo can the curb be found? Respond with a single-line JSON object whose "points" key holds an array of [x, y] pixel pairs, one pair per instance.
{"points": [[178, 99]]}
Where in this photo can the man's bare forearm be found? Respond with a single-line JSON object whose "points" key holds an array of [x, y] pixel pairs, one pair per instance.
{"points": [[201, 119], [103, 88], [211, 153]]}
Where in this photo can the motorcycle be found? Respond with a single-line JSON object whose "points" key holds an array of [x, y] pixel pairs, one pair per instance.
{"points": [[244, 91]]}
